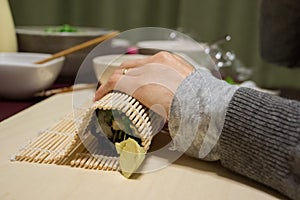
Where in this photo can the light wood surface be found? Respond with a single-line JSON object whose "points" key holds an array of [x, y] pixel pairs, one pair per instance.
{"points": [[187, 178]]}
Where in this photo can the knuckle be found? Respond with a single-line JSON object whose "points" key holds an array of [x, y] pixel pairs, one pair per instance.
{"points": [[112, 79], [163, 53], [125, 63]]}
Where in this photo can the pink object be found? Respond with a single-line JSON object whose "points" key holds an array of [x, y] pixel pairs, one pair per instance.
{"points": [[132, 50]]}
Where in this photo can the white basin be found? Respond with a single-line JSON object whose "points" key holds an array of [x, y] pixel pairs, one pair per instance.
{"points": [[20, 78]]}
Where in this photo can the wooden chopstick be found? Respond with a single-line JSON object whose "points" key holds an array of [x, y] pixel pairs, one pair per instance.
{"points": [[79, 47], [47, 93]]}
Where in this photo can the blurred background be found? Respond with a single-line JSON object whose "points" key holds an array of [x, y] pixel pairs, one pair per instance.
{"points": [[203, 20]]}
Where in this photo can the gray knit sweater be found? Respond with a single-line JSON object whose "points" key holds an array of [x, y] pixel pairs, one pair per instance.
{"points": [[260, 135]]}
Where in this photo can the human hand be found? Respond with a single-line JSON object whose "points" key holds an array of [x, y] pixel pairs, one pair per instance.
{"points": [[152, 81]]}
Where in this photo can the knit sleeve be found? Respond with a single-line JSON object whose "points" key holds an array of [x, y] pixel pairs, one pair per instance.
{"points": [[197, 114], [261, 140]]}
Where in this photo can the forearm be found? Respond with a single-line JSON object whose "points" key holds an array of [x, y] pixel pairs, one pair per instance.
{"points": [[197, 114], [261, 140], [255, 134]]}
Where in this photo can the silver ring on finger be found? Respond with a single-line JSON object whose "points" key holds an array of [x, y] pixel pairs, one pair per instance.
{"points": [[124, 72]]}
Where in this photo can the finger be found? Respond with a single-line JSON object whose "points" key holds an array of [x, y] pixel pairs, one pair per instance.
{"points": [[118, 71], [108, 86], [173, 60], [152, 73], [134, 63], [101, 92]]}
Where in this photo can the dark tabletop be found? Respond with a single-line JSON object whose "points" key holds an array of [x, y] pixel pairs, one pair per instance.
{"points": [[10, 107]]}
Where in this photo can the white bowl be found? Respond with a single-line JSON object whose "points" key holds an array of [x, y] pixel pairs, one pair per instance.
{"points": [[179, 46], [36, 39], [194, 50], [20, 78], [104, 66]]}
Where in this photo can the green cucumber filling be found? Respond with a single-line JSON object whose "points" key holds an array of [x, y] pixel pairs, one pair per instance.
{"points": [[117, 126]]}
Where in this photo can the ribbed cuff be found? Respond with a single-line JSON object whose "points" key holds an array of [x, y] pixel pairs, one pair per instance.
{"points": [[260, 140]]}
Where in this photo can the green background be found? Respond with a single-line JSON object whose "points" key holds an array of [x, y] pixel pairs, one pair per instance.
{"points": [[204, 20]]}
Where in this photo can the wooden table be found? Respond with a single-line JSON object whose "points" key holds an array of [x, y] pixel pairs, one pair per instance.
{"points": [[187, 178]]}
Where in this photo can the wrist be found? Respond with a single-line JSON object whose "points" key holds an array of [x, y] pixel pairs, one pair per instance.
{"points": [[197, 114]]}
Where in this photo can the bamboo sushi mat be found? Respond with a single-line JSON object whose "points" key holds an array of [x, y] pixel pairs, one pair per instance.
{"points": [[62, 144]]}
